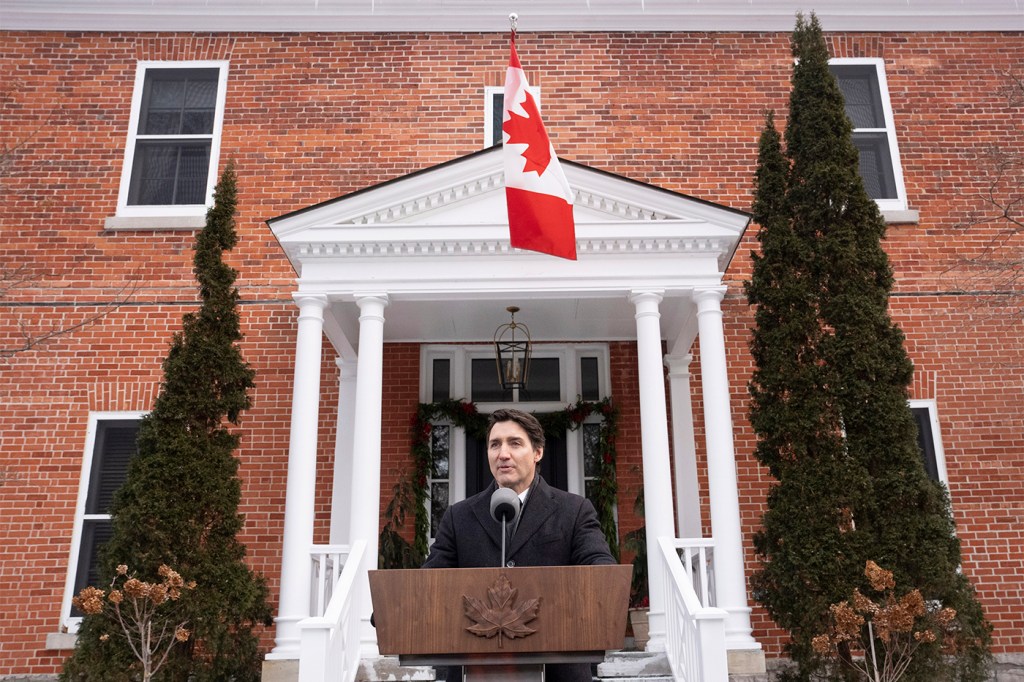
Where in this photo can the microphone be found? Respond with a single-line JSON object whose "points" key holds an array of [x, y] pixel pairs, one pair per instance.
{"points": [[505, 506]]}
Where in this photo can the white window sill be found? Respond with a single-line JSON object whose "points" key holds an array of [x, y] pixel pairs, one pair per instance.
{"points": [[60, 641], [155, 223], [901, 217]]}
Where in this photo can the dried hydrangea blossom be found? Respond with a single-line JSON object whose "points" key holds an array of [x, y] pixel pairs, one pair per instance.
{"points": [[143, 614], [884, 634]]}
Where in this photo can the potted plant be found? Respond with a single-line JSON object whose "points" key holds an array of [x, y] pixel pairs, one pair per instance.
{"points": [[639, 600]]}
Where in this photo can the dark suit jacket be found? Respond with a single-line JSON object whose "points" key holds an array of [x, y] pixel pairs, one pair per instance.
{"points": [[556, 529]]}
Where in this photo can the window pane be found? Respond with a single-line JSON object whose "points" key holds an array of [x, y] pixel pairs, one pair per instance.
{"points": [[178, 101], [589, 384], [544, 381], [859, 84], [497, 103], [167, 173], [201, 91], [438, 505], [167, 91], [876, 165], [162, 121], [440, 445], [192, 170], [485, 387], [153, 174], [197, 122], [442, 380], [591, 450], [162, 100]]}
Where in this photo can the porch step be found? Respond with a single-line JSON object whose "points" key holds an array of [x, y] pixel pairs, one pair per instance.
{"points": [[645, 666], [634, 665], [618, 666], [387, 669]]}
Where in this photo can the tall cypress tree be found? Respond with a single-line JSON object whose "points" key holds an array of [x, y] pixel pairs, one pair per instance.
{"points": [[830, 391], [179, 503]]}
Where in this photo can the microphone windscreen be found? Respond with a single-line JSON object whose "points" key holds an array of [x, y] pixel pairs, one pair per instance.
{"points": [[504, 505]]}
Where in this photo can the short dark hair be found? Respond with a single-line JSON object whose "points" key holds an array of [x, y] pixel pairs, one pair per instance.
{"points": [[534, 431]]}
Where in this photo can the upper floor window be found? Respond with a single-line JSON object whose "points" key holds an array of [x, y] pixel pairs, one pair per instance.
{"points": [[494, 103], [864, 88], [173, 138]]}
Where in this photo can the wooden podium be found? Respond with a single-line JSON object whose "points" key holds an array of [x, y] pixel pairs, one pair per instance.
{"points": [[501, 623]]}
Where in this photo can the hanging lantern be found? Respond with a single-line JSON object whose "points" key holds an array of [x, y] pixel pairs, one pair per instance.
{"points": [[512, 352]]}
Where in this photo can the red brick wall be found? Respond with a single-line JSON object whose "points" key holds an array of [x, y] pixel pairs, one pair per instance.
{"points": [[626, 394], [311, 117]]}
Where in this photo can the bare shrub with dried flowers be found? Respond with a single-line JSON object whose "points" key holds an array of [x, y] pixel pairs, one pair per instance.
{"points": [[897, 625], [144, 611]]}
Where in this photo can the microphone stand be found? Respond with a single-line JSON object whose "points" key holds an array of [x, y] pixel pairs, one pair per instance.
{"points": [[504, 522]]}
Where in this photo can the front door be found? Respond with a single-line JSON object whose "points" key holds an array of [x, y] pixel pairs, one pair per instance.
{"points": [[553, 466]]}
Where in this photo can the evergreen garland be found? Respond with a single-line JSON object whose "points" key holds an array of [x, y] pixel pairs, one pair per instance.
{"points": [[179, 503], [830, 389], [411, 495]]}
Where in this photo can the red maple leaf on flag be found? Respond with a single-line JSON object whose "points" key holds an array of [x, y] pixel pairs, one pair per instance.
{"points": [[529, 130]]}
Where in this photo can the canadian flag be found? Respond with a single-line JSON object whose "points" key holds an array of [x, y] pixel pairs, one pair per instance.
{"points": [[539, 197]]}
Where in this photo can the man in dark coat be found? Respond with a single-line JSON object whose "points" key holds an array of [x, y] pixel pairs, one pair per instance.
{"points": [[554, 528]]}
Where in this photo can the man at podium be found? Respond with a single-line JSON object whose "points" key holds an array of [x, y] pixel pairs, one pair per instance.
{"points": [[552, 528]]}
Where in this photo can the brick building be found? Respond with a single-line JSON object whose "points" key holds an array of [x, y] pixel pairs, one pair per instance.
{"points": [[374, 261]]}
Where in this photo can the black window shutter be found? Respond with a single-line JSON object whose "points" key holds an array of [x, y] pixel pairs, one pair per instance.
{"points": [[114, 448], [926, 441]]}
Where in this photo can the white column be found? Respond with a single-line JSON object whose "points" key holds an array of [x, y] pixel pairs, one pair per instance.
{"points": [[684, 449], [341, 491], [301, 484], [658, 512], [365, 501], [730, 579]]}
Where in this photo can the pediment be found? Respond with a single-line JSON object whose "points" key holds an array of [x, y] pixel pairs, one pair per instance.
{"points": [[476, 200], [459, 207]]}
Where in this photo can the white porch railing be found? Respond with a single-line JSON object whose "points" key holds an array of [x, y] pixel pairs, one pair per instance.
{"points": [[698, 559], [695, 630], [327, 563], [329, 643]]}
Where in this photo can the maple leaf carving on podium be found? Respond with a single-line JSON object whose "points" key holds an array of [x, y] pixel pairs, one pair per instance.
{"points": [[529, 130], [500, 616]]}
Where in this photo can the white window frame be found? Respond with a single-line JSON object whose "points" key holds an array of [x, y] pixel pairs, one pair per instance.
{"points": [[900, 202], [172, 210], [456, 356], [489, 92], [940, 455], [461, 358], [72, 623]]}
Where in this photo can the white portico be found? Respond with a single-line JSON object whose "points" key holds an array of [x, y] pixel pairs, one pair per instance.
{"points": [[426, 258]]}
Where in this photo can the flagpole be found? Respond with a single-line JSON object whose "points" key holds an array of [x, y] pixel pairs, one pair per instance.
{"points": [[539, 198]]}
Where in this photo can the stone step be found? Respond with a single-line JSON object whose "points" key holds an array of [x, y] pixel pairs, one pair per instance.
{"points": [[630, 665]]}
